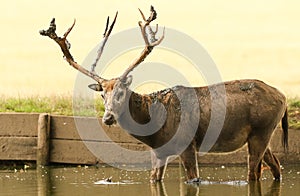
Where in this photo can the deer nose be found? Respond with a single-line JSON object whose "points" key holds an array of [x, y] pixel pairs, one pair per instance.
{"points": [[108, 119]]}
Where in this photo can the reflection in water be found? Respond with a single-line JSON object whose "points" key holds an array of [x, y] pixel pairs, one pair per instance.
{"points": [[254, 189], [158, 189], [45, 181]]}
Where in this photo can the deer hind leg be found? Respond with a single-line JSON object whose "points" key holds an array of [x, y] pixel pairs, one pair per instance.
{"points": [[273, 163], [256, 149], [190, 164]]}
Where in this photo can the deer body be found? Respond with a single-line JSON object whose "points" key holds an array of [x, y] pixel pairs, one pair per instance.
{"points": [[247, 104], [253, 110]]}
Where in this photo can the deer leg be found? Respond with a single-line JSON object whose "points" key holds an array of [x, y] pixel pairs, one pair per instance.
{"points": [[254, 163], [157, 174], [258, 171], [273, 163], [158, 167], [190, 164], [256, 149]]}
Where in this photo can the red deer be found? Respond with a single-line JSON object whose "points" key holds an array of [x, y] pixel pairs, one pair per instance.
{"points": [[253, 110]]}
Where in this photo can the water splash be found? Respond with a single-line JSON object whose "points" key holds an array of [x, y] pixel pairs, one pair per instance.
{"points": [[110, 182]]}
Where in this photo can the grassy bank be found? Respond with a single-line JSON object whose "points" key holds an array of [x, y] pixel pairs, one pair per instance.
{"points": [[59, 105], [294, 113], [62, 105]]}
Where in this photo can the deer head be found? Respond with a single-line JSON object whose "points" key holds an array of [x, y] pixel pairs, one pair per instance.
{"points": [[115, 92]]}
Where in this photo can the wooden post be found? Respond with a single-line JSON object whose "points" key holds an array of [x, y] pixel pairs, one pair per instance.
{"points": [[42, 155]]}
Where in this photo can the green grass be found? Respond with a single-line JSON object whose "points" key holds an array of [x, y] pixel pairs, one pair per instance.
{"points": [[59, 105], [294, 113], [63, 105]]}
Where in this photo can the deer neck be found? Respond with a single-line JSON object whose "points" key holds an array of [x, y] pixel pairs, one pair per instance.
{"points": [[138, 114], [139, 108]]}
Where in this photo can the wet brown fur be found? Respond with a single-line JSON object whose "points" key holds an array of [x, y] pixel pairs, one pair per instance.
{"points": [[253, 111]]}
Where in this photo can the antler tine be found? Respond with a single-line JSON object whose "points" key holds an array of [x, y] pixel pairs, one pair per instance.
{"points": [[69, 30], [102, 44], [60, 41], [148, 45], [65, 46], [106, 27], [154, 41], [143, 16], [112, 25]]}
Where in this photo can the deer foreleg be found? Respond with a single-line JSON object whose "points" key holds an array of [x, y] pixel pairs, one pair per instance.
{"points": [[190, 164], [158, 167]]}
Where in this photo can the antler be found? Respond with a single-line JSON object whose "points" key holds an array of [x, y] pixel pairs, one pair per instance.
{"points": [[102, 44], [149, 43], [65, 46]]}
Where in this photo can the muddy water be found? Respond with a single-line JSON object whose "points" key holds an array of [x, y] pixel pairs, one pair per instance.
{"points": [[218, 180]]}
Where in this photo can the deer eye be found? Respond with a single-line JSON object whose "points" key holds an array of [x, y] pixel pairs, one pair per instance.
{"points": [[119, 96], [102, 95]]}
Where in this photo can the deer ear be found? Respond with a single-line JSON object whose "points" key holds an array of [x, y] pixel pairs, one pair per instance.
{"points": [[127, 80], [96, 87]]}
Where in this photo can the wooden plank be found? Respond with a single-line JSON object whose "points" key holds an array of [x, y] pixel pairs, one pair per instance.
{"points": [[18, 124], [87, 128], [236, 157], [18, 141], [276, 141], [42, 153], [293, 154], [63, 127], [70, 151], [76, 152], [18, 148], [240, 156]]}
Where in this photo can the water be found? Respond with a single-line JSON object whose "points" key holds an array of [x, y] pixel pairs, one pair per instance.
{"points": [[218, 180]]}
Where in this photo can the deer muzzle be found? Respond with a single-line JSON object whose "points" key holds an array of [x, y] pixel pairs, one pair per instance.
{"points": [[108, 118]]}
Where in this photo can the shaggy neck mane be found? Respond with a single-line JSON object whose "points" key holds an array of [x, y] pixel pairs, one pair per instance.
{"points": [[139, 107], [139, 110], [139, 113]]}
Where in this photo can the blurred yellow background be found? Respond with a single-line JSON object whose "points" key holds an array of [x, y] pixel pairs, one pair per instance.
{"points": [[247, 39]]}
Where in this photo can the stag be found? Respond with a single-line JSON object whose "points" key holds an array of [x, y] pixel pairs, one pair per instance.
{"points": [[253, 110]]}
